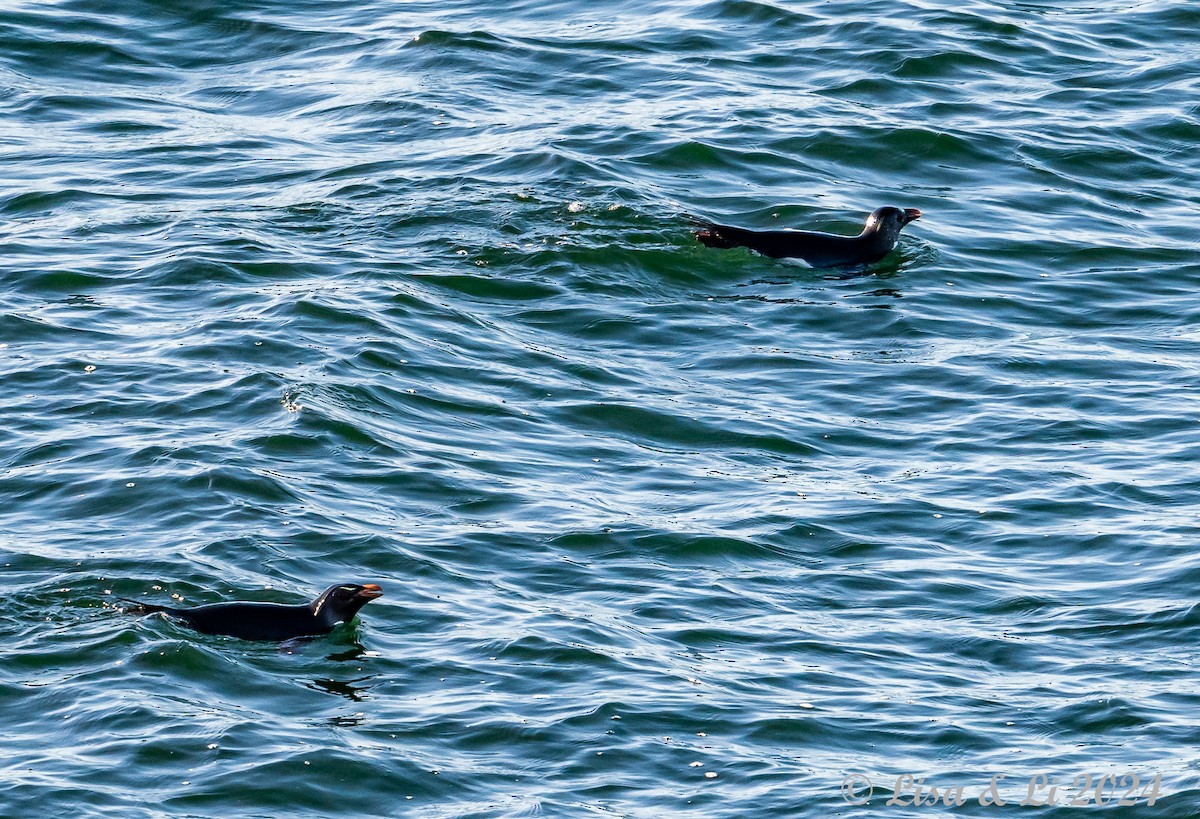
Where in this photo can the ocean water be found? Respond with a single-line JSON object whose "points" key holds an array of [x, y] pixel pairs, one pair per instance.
{"points": [[404, 292]]}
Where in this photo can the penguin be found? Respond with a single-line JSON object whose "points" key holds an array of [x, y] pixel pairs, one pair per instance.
{"points": [[271, 621], [878, 239]]}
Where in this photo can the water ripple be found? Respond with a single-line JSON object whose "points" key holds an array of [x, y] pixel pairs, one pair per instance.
{"points": [[311, 292]]}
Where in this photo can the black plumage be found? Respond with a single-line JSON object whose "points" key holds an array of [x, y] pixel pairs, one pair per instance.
{"points": [[878, 239], [272, 621]]}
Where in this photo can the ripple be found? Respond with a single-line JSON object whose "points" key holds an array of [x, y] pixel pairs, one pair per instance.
{"points": [[300, 294]]}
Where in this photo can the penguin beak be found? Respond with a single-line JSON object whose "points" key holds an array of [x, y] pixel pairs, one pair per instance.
{"points": [[911, 215], [369, 591]]}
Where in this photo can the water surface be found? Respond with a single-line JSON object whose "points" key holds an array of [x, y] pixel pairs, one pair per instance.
{"points": [[295, 293]]}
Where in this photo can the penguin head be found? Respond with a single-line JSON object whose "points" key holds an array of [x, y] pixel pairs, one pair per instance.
{"points": [[888, 221], [341, 601]]}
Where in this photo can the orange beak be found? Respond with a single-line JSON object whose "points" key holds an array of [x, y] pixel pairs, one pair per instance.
{"points": [[370, 591]]}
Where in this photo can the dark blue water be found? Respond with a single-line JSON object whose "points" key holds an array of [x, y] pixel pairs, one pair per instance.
{"points": [[296, 293]]}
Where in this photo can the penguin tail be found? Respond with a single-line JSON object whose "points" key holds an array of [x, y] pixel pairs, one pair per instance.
{"points": [[711, 234], [138, 607]]}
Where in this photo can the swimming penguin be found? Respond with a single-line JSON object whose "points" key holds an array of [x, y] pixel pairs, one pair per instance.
{"points": [[272, 621], [878, 238]]}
